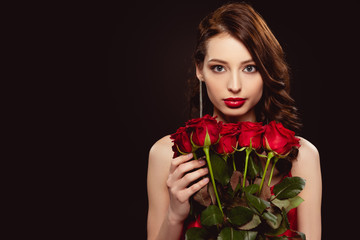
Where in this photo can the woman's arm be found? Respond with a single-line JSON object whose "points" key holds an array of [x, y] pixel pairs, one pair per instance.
{"points": [[307, 166], [169, 189]]}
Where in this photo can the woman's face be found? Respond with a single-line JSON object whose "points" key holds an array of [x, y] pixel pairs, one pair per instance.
{"points": [[233, 82]]}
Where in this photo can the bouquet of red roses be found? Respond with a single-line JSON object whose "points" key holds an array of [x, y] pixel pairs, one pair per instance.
{"points": [[236, 204]]}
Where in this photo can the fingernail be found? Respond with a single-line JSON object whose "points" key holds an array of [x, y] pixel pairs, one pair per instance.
{"points": [[201, 161], [189, 155], [206, 180]]}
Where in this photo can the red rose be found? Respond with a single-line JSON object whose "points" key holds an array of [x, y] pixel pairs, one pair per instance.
{"points": [[204, 131], [251, 131], [182, 143], [279, 140], [228, 139]]}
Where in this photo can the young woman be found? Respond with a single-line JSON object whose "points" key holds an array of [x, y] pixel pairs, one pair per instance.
{"points": [[242, 66]]}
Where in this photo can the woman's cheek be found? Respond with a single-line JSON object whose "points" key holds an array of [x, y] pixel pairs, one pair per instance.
{"points": [[257, 90], [214, 89], [212, 94]]}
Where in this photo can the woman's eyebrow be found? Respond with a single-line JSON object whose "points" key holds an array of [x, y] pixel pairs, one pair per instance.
{"points": [[217, 60], [247, 61], [224, 62]]}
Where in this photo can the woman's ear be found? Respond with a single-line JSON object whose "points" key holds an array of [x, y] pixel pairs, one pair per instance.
{"points": [[199, 73]]}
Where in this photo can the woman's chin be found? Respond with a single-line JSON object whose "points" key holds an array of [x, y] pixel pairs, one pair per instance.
{"points": [[235, 115]]}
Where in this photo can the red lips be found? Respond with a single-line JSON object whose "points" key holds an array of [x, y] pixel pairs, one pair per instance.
{"points": [[234, 102]]}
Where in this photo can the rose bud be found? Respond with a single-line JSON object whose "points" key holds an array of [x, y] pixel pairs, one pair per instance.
{"points": [[203, 131], [228, 139], [251, 131], [182, 143], [279, 139]]}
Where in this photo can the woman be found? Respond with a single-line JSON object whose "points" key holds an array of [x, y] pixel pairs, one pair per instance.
{"points": [[246, 78]]}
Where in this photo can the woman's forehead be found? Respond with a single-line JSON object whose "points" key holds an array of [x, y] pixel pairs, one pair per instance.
{"points": [[226, 48]]}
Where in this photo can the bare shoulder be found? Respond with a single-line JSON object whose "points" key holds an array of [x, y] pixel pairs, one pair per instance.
{"points": [[307, 149], [308, 158], [160, 157], [161, 150]]}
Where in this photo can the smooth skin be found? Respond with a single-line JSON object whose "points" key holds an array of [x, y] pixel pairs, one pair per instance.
{"points": [[228, 71]]}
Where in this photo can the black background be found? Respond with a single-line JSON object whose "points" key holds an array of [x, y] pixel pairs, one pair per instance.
{"points": [[134, 59]]}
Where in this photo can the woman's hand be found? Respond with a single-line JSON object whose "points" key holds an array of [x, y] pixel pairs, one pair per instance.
{"points": [[180, 187]]}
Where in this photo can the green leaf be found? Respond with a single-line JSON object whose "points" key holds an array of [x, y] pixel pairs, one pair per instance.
{"points": [[229, 233], [286, 220], [285, 225], [240, 215], [276, 232], [220, 169], [251, 189], [288, 204], [271, 219], [211, 216], [289, 187], [294, 202], [249, 235], [196, 234], [259, 204], [280, 203], [255, 221]]}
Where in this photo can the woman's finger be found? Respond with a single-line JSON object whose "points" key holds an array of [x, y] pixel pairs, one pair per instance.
{"points": [[183, 168], [188, 192], [179, 160], [190, 177]]}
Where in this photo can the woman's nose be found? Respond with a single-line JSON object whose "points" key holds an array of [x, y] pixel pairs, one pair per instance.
{"points": [[234, 84]]}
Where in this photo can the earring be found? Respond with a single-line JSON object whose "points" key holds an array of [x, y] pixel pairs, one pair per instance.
{"points": [[201, 99]]}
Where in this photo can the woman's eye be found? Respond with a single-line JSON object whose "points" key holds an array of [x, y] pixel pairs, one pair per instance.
{"points": [[218, 68], [250, 68]]}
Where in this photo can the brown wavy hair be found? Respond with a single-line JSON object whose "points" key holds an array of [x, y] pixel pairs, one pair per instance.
{"points": [[242, 22]]}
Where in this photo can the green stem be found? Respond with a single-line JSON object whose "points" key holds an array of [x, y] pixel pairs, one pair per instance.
{"points": [[269, 157], [194, 155], [272, 170], [248, 151], [206, 151], [233, 159]]}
